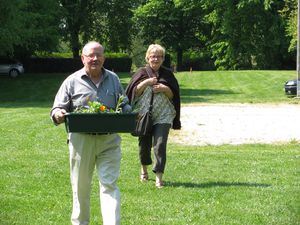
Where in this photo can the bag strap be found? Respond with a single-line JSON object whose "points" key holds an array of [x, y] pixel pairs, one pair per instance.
{"points": [[151, 101]]}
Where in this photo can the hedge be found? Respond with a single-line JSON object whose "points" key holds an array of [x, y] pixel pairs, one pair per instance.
{"points": [[195, 60], [70, 65]]}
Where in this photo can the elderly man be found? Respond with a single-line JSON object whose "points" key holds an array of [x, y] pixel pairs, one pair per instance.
{"points": [[90, 150]]}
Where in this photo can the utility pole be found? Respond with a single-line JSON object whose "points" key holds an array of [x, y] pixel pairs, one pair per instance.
{"points": [[298, 49]]}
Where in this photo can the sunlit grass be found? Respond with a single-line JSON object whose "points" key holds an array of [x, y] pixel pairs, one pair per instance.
{"points": [[242, 184], [235, 86]]}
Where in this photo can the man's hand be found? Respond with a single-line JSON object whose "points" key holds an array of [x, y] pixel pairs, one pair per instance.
{"points": [[59, 116]]}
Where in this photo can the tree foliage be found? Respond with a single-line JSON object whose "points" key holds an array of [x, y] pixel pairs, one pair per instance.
{"points": [[27, 26], [10, 24], [75, 16], [289, 14], [119, 24], [108, 21], [235, 34], [242, 37], [177, 24]]}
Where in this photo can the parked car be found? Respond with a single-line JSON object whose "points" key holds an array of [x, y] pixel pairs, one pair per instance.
{"points": [[290, 87], [11, 67]]}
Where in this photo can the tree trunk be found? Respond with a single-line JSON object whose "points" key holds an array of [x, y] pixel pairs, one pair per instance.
{"points": [[179, 59], [75, 44]]}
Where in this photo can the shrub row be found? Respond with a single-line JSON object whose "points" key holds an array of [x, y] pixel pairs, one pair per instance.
{"points": [[167, 61], [115, 63], [69, 65], [198, 65], [197, 61]]}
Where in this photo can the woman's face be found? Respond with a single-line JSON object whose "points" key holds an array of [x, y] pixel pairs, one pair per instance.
{"points": [[155, 60]]}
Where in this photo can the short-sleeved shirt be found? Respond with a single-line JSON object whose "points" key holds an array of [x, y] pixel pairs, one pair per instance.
{"points": [[163, 110]]}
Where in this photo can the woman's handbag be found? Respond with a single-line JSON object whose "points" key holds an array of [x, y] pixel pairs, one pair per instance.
{"points": [[144, 121]]}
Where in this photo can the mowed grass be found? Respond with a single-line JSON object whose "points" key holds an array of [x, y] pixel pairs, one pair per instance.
{"points": [[195, 87], [235, 86], [243, 184]]}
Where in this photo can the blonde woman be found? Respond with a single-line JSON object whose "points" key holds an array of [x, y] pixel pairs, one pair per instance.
{"points": [[166, 109]]}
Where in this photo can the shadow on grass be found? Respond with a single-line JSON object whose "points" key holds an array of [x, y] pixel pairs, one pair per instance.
{"points": [[36, 90], [215, 184], [29, 104], [30, 90]]}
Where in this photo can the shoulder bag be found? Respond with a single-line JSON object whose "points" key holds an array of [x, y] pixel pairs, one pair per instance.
{"points": [[144, 120]]}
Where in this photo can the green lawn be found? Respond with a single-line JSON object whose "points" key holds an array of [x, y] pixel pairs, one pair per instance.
{"points": [[243, 184], [235, 86], [196, 87]]}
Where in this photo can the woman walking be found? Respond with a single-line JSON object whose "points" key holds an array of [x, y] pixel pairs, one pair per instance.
{"points": [[157, 80]]}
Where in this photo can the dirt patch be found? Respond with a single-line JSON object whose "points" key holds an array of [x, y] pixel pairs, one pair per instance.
{"points": [[237, 124]]}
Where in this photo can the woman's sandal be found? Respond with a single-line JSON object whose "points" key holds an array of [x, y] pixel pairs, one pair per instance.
{"points": [[159, 184], [144, 177]]}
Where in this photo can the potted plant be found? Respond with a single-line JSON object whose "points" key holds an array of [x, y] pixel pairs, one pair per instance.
{"points": [[97, 118]]}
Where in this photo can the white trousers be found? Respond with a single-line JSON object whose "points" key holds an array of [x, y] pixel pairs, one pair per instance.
{"points": [[87, 152]]}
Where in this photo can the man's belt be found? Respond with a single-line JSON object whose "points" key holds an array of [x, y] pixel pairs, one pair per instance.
{"points": [[99, 133]]}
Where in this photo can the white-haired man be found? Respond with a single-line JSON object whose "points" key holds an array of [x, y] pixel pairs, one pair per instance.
{"points": [[90, 150]]}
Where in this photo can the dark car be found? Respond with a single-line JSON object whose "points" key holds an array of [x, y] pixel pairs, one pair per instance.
{"points": [[290, 87], [10, 67]]}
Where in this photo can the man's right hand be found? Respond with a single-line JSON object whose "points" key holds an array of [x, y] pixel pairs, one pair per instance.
{"points": [[59, 116]]}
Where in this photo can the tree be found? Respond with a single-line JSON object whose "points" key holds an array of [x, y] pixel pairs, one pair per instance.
{"points": [[108, 21], [28, 26], [246, 34], [9, 32], [289, 14], [119, 25], [177, 24], [75, 15]]}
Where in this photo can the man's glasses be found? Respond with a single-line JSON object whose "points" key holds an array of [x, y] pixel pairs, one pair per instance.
{"points": [[93, 55]]}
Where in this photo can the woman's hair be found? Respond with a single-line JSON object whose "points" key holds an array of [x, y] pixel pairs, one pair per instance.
{"points": [[155, 48]]}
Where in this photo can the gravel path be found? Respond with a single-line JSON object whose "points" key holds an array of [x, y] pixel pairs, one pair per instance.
{"points": [[237, 124]]}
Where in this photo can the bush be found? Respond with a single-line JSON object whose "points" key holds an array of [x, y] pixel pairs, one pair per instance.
{"points": [[118, 64], [167, 61], [69, 65], [197, 61]]}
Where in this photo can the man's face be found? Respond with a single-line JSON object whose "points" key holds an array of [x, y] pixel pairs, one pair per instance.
{"points": [[93, 59]]}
